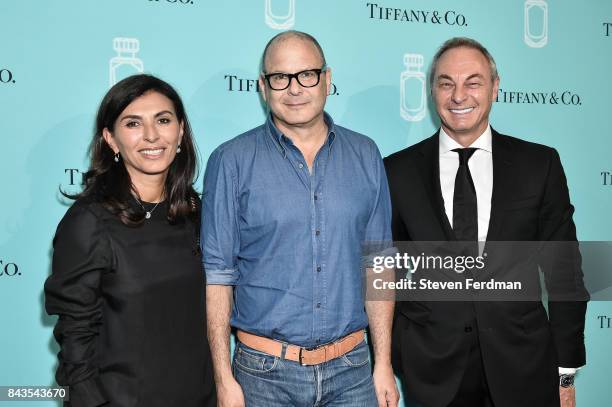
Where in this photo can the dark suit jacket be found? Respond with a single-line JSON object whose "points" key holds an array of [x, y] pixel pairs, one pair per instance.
{"points": [[521, 346]]}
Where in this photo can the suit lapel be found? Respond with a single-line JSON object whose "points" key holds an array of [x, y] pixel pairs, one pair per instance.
{"points": [[430, 172], [502, 182]]}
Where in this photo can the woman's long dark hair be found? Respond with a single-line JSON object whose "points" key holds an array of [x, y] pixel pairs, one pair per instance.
{"points": [[109, 183]]}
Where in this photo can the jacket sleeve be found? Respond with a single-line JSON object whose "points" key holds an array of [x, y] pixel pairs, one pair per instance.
{"points": [[562, 268]]}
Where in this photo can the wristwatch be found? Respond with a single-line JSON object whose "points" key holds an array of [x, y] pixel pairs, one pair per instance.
{"points": [[566, 380]]}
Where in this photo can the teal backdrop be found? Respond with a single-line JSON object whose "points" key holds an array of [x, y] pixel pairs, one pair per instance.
{"points": [[59, 57]]}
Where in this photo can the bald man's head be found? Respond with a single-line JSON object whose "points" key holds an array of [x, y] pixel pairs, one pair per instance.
{"points": [[287, 35]]}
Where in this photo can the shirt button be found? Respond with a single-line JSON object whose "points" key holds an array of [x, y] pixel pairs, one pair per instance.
{"points": [[318, 305], [468, 329], [301, 165], [319, 269], [318, 232]]}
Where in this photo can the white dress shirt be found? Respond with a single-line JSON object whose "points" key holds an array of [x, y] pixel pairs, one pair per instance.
{"points": [[481, 168]]}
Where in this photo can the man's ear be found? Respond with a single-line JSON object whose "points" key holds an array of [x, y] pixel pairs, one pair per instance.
{"points": [[262, 87], [495, 88], [328, 79]]}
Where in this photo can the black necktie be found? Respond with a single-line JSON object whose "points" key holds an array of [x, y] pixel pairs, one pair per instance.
{"points": [[465, 209]]}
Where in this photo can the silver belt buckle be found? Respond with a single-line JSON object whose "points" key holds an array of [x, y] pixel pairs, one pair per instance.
{"points": [[301, 357]]}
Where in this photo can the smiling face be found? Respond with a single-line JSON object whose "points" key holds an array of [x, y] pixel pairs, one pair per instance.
{"points": [[146, 134], [463, 92], [295, 106]]}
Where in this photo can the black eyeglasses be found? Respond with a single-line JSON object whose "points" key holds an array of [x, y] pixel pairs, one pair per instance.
{"points": [[281, 81]]}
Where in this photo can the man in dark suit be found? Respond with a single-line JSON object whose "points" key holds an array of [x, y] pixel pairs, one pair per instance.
{"points": [[467, 182]]}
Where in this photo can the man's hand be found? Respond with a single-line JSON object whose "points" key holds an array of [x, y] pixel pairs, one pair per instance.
{"points": [[229, 394], [219, 306], [380, 318], [385, 386], [568, 396]]}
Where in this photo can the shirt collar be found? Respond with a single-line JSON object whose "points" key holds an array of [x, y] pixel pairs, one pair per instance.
{"points": [[281, 140], [483, 142]]}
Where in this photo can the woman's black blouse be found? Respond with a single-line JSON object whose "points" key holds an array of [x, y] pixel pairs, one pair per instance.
{"points": [[131, 306]]}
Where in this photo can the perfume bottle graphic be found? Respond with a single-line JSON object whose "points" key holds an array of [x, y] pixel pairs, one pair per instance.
{"points": [[536, 23], [280, 21], [126, 56], [413, 98]]}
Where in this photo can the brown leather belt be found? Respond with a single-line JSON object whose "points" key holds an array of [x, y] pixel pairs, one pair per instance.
{"points": [[303, 356]]}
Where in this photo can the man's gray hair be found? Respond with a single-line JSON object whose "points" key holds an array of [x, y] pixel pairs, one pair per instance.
{"points": [[458, 42], [285, 35]]}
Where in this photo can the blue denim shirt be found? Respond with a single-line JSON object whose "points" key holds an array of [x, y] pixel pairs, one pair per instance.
{"points": [[290, 241]]}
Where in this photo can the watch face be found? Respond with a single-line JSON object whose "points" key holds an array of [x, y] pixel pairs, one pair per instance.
{"points": [[567, 380]]}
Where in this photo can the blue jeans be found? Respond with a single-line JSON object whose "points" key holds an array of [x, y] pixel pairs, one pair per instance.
{"points": [[269, 381]]}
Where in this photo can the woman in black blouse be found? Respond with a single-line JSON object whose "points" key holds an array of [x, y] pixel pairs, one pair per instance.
{"points": [[127, 280]]}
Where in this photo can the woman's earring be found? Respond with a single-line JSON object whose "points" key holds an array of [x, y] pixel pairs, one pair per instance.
{"points": [[117, 157], [178, 149]]}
